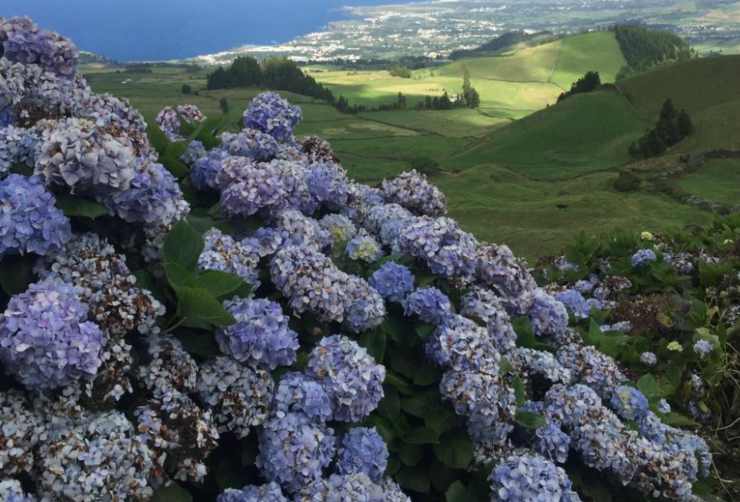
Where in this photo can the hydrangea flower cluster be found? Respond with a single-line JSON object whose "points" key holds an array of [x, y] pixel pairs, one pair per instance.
{"points": [[643, 257], [29, 220], [340, 228], [362, 450], [46, 340], [428, 304], [261, 336], [520, 478], [223, 253], [171, 120], [12, 491], [300, 393], [20, 433], [412, 190], [350, 376], [250, 143], [270, 492], [24, 42], [394, 282], [548, 316], [351, 487], [169, 367], [273, 115], [365, 248], [498, 269]]}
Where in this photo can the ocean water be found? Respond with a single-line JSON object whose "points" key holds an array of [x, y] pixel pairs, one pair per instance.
{"points": [[128, 30]]}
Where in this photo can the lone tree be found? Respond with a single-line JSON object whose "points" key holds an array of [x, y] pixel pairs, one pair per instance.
{"points": [[671, 128], [587, 83], [470, 95]]}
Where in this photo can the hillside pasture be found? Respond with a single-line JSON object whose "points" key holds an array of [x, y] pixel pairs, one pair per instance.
{"points": [[716, 181]]}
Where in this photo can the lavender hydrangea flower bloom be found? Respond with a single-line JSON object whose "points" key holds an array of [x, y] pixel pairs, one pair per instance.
{"points": [[429, 304], [366, 309], [328, 184], [547, 315], [351, 377], [300, 393], [23, 42], [643, 257], [261, 335], [269, 492], [238, 395], [648, 359], [364, 248], [221, 252], [21, 431], [591, 367], [16, 147], [362, 450], [351, 487], [250, 143], [255, 189], [575, 303], [552, 443], [171, 119], [484, 306], [169, 368], [394, 282], [703, 348], [29, 221], [194, 152], [45, 339], [204, 173], [664, 406], [499, 270], [153, 197], [293, 451], [271, 114], [339, 227], [12, 491], [461, 344], [523, 478], [412, 190], [629, 402]]}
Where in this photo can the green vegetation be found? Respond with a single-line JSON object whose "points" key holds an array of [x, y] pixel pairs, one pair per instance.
{"points": [[644, 48], [717, 181], [672, 128], [588, 83]]}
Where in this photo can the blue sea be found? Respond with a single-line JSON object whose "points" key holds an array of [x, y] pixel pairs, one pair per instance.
{"points": [[128, 30]]}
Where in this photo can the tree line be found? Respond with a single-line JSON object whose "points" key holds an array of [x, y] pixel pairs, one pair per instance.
{"points": [[274, 73], [672, 127], [644, 48], [587, 83]]}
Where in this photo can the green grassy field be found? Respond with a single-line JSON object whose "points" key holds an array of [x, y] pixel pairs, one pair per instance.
{"points": [[717, 181], [532, 180]]}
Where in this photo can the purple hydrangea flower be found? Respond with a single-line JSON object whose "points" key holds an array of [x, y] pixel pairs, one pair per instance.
{"points": [[629, 402], [204, 173], [461, 344], [171, 119], [429, 304], [339, 227], [664, 406], [23, 42], [552, 443], [271, 114], [703, 348], [643, 257], [351, 377], [523, 478], [328, 184], [412, 190], [261, 335], [45, 339], [364, 248], [362, 450], [394, 282], [508, 276], [194, 152], [648, 359], [366, 309], [300, 393], [255, 189], [575, 303], [484, 306], [293, 450], [250, 143], [29, 221], [221, 252], [269, 492], [547, 315], [351, 487], [12, 491], [591, 367]]}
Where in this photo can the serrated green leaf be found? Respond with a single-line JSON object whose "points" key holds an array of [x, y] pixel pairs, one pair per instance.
{"points": [[457, 492], [218, 283], [529, 420], [411, 454], [198, 343], [414, 478], [390, 405], [199, 309], [441, 420], [374, 341], [73, 206], [421, 435], [183, 245], [423, 329], [16, 273], [172, 493], [519, 390], [648, 385], [455, 450]]}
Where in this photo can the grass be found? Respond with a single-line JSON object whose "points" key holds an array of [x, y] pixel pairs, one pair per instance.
{"points": [[716, 181], [587, 52]]}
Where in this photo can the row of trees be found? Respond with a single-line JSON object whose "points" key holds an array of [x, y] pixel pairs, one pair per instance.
{"points": [[275, 73], [644, 48], [589, 82], [672, 127]]}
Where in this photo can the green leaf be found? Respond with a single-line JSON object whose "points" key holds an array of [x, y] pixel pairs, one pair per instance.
{"points": [[678, 420], [525, 336], [419, 404], [199, 343], [218, 283], [411, 454], [648, 385], [374, 341], [157, 138], [455, 450], [172, 493], [441, 420], [390, 405], [16, 273], [424, 329], [457, 492], [199, 309], [519, 391], [75, 206], [183, 245], [529, 420], [399, 383], [179, 276], [421, 435], [425, 374], [414, 478]]}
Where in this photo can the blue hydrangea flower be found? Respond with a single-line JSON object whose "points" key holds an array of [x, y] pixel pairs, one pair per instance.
{"points": [[523, 478], [394, 282], [171, 119], [552, 443], [591, 367], [366, 309], [46, 341], [250, 143], [429, 304], [648, 358], [194, 152], [261, 335], [413, 191], [154, 197], [29, 221], [362, 450], [461, 344], [300, 393], [506, 275], [221, 252], [23, 42], [293, 450], [12, 491], [328, 184], [629, 402], [575, 303], [547, 315], [363, 247], [484, 306], [350, 487], [388, 222], [271, 114], [703, 348], [204, 173], [256, 189], [351, 377], [269, 492], [339, 227], [664, 406], [643, 257]]}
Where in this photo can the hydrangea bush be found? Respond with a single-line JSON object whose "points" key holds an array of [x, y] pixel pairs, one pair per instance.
{"points": [[243, 322]]}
